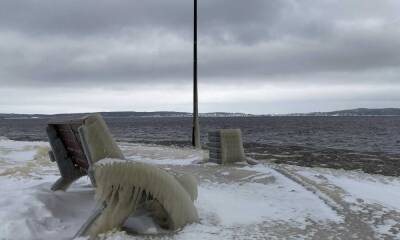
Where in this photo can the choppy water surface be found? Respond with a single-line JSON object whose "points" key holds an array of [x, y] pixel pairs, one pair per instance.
{"points": [[367, 143]]}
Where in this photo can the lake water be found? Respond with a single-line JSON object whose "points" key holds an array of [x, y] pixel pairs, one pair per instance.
{"points": [[371, 144]]}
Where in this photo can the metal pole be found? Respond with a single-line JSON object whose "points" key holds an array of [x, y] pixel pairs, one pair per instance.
{"points": [[196, 127]]}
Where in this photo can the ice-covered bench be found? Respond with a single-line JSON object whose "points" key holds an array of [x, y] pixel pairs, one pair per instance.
{"points": [[85, 146]]}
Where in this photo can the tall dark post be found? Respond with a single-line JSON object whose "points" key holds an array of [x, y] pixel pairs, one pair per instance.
{"points": [[196, 127]]}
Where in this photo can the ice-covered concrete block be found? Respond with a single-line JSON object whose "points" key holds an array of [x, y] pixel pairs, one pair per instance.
{"points": [[226, 146]]}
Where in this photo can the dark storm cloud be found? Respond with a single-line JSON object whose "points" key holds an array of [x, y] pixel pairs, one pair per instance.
{"points": [[77, 17], [47, 42]]}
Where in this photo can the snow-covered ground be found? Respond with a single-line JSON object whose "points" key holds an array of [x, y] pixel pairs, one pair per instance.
{"points": [[235, 202]]}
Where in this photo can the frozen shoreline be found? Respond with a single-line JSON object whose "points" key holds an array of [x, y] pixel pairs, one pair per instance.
{"points": [[243, 202]]}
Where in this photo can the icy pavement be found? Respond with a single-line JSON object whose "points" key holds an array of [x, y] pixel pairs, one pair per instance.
{"points": [[265, 201]]}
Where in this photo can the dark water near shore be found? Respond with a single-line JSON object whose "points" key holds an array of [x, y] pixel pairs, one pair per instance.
{"points": [[371, 144]]}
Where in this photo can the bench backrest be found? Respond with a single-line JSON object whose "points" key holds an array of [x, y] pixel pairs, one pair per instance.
{"points": [[78, 144], [68, 134]]}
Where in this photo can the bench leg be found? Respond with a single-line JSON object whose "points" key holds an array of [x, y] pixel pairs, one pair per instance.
{"points": [[84, 230], [63, 183]]}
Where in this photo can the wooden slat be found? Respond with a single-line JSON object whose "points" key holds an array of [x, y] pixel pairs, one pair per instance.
{"points": [[219, 161], [215, 155]]}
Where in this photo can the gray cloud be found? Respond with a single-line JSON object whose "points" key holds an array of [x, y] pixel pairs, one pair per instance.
{"points": [[72, 43], [105, 17]]}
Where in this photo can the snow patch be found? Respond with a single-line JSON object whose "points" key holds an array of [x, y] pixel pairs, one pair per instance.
{"points": [[385, 194]]}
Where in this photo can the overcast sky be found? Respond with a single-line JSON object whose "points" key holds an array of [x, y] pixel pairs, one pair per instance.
{"points": [[257, 56]]}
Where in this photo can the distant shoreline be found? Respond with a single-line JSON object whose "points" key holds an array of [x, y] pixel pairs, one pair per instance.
{"points": [[254, 116], [359, 112]]}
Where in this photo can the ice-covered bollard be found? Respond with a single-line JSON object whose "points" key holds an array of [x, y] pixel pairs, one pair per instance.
{"points": [[226, 146]]}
